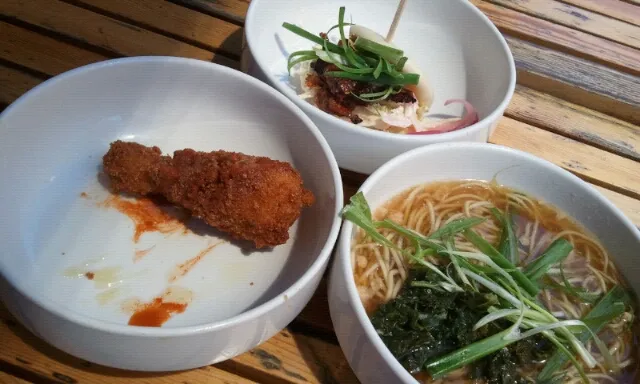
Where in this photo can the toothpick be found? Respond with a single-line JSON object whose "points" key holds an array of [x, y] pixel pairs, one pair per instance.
{"points": [[396, 20]]}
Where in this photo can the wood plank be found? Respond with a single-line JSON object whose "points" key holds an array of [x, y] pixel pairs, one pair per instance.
{"points": [[14, 83], [285, 358], [577, 80], [612, 8], [563, 38], [589, 163], [6, 378], [98, 30], [579, 123], [578, 18], [23, 349], [41, 53], [629, 206], [234, 10], [183, 23]]}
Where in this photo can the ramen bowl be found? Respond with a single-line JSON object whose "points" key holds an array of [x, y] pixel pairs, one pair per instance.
{"points": [[455, 46], [74, 266], [363, 347]]}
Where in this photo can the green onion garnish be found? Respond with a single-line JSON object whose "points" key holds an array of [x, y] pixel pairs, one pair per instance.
{"points": [[363, 60], [555, 253], [378, 69], [352, 58], [384, 79], [390, 54], [374, 97], [302, 56]]}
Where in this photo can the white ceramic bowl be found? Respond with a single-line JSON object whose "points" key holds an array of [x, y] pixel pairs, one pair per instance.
{"points": [[365, 351], [455, 45], [51, 145]]}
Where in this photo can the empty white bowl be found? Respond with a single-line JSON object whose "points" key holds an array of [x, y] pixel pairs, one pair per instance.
{"points": [[54, 228], [365, 351], [455, 45]]}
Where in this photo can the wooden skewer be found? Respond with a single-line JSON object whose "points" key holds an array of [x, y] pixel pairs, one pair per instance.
{"points": [[396, 20]]}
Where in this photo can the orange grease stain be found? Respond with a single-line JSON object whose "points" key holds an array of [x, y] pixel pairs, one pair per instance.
{"points": [[146, 215], [184, 268], [140, 253], [90, 275], [156, 313], [84, 195]]}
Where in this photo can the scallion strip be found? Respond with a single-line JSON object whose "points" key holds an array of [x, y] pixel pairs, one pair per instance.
{"points": [[390, 70], [401, 63], [555, 253], [378, 70], [374, 94], [485, 247], [508, 245], [384, 79], [603, 310], [391, 54], [300, 60], [352, 58], [310, 36], [384, 95], [347, 68], [443, 365], [456, 226], [336, 26], [359, 213]]}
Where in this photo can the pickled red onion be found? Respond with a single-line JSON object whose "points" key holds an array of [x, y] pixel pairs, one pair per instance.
{"points": [[470, 117]]}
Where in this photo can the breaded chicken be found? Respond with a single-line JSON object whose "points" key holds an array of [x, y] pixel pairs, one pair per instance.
{"points": [[249, 197]]}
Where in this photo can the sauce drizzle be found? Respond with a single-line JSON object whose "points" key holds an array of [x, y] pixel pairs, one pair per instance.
{"points": [[148, 216], [156, 313], [160, 309], [140, 253], [184, 268]]}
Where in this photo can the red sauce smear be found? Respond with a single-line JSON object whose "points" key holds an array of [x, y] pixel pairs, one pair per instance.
{"points": [[156, 313], [147, 216], [140, 253], [184, 268]]}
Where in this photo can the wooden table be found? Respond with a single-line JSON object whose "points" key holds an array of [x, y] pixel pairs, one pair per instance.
{"points": [[577, 104]]}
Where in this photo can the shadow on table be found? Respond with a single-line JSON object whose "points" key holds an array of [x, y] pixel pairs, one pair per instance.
{"points": [[324, 358], [228, 53], [22, 367]]}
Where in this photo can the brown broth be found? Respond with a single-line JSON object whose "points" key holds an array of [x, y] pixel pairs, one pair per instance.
{"points": [[551, 221]]}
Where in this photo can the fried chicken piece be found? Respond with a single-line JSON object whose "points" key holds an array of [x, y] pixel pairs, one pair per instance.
{"points": [[249, 197]]}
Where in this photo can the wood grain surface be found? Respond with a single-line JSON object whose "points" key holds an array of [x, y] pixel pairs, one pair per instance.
{"points": [[577, 104]]}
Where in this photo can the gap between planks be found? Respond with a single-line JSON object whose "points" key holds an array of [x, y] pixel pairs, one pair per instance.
{"points": [[231, 10]]}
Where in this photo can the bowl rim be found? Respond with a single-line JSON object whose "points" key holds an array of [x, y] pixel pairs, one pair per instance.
{"points": [[318, 264], [334, 122], [344, 242]]}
